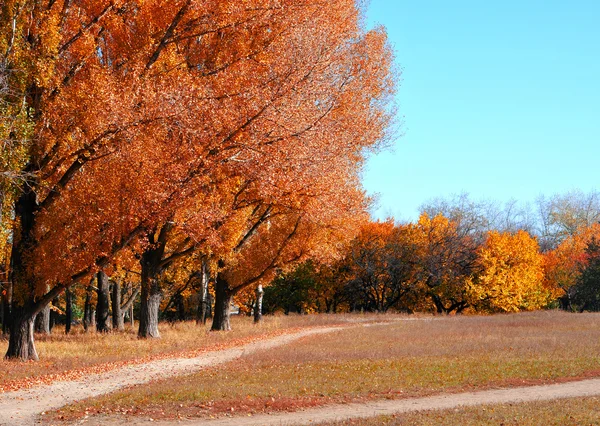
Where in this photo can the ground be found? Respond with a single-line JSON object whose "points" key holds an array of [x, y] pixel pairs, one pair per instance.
{"points": [[337, 370]]}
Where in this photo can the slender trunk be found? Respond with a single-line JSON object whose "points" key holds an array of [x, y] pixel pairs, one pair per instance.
{"points": [[203, 300], [130, 307], [209, 306], [6, 308], [150, 297], [223, 297], [42, 321], [88, 321], [102, 324], [118, 316], [258, 306], [53, 314], [68, 311]]}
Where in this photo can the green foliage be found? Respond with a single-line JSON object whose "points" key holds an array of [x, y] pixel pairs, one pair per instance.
{"points": [[586, 294], [289, 292]]}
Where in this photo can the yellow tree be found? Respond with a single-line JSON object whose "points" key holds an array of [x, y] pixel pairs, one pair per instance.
{"points": [[510, 275]]}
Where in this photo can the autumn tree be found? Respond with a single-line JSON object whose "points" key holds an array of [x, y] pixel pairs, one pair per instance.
{"points": [[381, 266], [510, 274], [446, 261], [563, 265], [563, 215], [164, 99], [586, 292]]}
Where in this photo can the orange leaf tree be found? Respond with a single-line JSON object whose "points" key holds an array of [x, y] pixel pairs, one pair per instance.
{"points": [[564, 264], [446, 261], [138, 107]]}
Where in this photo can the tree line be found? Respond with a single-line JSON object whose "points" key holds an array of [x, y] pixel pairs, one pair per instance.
{"points": [[460, 256]]}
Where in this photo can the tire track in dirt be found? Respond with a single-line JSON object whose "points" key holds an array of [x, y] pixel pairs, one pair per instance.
{"points": [[22, 407], [583, 388]]}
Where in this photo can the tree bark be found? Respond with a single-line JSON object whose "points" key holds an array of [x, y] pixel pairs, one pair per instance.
{"points": [[102, 306], [223, 297], [20, 343], [203, 299], [68, 311], [88, 321], [258, 306], [118, 316], [42, 321], [151, 295], [6, 308]]}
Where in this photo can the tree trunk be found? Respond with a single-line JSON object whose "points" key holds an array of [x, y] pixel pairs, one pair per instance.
{"points": [[151, 295], [42, 321], [53, 314], [129, 308], [203, 299], [223, 296], [118, 316], [102, 324], [20, 343], [68, 311], [258, 306], [180, 303], [6, 308]]}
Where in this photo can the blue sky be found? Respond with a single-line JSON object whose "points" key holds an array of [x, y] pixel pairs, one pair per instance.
{"points": [[499, 99]]}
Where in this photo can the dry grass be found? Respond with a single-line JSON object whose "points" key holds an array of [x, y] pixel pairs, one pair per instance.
{"points": [[562, 412], [402, 359], [79, 350]]}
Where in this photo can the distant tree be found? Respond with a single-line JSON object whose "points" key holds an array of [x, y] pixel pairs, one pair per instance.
{"points": [[477, 217], [446, 260], [564, 264], [510, 274], [563, 215], [586, 292], [290, 292], [380, 266]]}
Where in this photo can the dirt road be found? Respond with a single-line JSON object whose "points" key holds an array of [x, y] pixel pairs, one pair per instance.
{"points": [[24, 406], [582, 388]]}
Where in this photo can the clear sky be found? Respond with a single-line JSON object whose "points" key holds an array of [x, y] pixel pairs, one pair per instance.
{"points": [[500, 99]]}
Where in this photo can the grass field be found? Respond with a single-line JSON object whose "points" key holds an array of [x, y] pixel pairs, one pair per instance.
{"points": [[562, 412], [79, 350], [401, 359]]}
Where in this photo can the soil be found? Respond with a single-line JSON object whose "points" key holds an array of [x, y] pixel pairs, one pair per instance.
{"points": [[24, 407]]}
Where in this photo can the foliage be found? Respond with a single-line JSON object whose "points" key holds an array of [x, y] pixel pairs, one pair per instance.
{"points": [[564, 265], [586, 292], [380, 267], [511, 274], [446, 260]]}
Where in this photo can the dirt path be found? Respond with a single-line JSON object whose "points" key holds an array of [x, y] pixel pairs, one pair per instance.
{"points": [[386, 407], [23, 407]]}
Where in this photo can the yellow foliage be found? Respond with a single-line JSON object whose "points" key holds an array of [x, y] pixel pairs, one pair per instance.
{"points": [[511, 277]]}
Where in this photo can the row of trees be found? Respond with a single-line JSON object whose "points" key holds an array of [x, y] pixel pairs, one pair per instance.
{"points": [[438, 265], [177, 141]]}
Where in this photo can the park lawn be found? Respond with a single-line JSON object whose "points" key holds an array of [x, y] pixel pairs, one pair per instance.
{"points": [[560, 412], [81, 353], [407, 358]]}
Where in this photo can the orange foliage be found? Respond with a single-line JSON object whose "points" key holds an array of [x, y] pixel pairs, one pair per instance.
{"points": [[564, 264]]}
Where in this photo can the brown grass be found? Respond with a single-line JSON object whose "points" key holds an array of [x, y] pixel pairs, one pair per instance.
{"points": [[79, 350], [562, 412], [402, 359]]}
